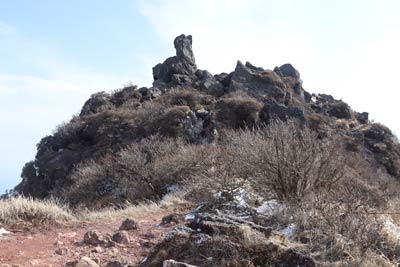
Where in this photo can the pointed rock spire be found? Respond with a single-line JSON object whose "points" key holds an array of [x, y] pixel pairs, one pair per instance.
{"points": [[181, 66]]}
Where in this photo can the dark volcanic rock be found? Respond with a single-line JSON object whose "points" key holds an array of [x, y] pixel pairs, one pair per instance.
{"points": [[209, 83], [183, 64], [273, 111], [98, 102], [257, 82], [121, 237], [93, 238], [362, 117], [128, 225], [217, 224], [288, 70], [340, 110]]}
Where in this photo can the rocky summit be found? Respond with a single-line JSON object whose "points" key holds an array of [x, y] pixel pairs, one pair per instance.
{"points": [[274, 175], [193, 104]]}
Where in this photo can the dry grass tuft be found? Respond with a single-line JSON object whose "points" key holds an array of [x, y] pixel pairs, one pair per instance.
{"points": [[20, 210], [170, 202], [27, 210]]}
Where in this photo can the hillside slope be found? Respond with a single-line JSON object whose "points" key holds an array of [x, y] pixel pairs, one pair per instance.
{"points": [[194, 106], [282, 177]]}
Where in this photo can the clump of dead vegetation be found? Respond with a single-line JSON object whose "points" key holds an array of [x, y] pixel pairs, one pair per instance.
{"points": [[337, 204], [27, 211], [336, 207], [17, 210]]}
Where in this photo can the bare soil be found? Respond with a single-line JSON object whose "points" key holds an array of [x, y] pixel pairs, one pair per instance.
{"points": [[57, 245]]}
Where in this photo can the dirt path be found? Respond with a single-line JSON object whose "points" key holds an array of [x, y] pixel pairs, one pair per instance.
{"points": [[58, 245]]}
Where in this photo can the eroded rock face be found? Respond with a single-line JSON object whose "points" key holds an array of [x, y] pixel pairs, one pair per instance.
{"points": [[209, 83], [272, 111], [97, 102], [257, 82], [362, 117], [179, 68], [288, 70], [380, 140]]}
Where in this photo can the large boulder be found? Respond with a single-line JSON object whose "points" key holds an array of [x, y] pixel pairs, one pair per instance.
{"points": [[273, 111], [362, 117], [179, 67], [288, 70], [208, 83], [340, 110], [257, 82], [291, 77], [382, 143]]}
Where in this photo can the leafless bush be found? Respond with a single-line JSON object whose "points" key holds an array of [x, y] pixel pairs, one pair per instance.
{"points": [[339, 225], [69, 131], [289, 160], [142, 170], [220, 171]]}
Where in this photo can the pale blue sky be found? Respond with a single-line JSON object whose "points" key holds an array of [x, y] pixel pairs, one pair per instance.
{"points": [[55, 53]]}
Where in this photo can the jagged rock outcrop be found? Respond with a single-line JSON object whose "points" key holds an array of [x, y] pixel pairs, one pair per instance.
{"points": [[188, 104], [179, 68], [274, 111], [258, 82]]}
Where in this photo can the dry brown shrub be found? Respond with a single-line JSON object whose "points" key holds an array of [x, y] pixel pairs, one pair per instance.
{"points": [[184, 97], [20, 210], [238, 111], [130, 175], [220, 171], [288, 160]]}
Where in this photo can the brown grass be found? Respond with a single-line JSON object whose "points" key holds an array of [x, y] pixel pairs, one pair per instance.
{"points": [[238, 111], [20, 210], [27, 210]]}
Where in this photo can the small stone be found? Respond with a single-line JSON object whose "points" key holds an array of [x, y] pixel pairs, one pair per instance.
{"points": [[92, 238], [71, 264], [128, 225], [98, 250], [34, 262], [121, 237], [115, 264], [113, 251], [58, 243], [86, 262], [62, 251], [172, 218], [172, 263]]}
